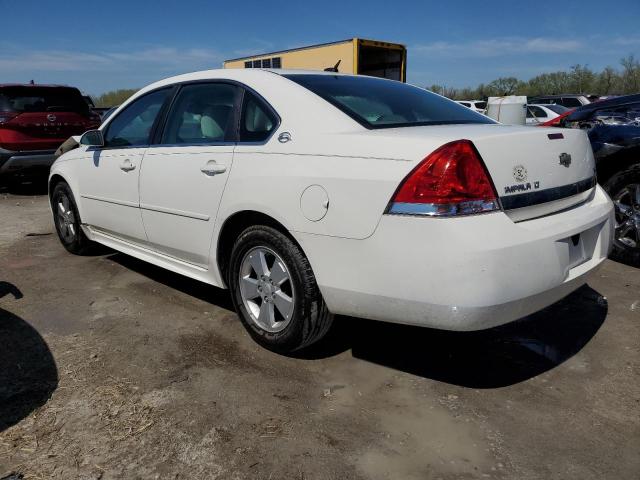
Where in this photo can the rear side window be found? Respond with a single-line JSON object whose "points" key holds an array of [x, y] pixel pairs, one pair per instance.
{"points": [[257, 121], [570, 102], [559, 109], [201, 113], [378, 103], [536, 112], [42, 99], [132, 126]]}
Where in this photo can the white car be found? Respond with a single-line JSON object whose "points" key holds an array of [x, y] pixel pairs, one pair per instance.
{"points": [[313, 194], [479, 106], [537, 114]]}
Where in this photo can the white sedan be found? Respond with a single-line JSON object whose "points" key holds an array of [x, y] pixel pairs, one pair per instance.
{"points": [[537, 114], [314, 194]]}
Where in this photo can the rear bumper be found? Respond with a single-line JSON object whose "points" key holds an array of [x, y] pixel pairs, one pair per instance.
{"points": [[464, 273], [14, 162]]}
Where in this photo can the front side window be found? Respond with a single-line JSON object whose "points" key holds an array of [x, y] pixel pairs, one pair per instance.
{"points": [[378, 103], [202, 113], [132, 126], [257, 120]]}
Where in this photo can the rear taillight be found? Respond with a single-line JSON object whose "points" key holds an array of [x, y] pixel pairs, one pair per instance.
{"points": [[450, 181], [6, 116]]}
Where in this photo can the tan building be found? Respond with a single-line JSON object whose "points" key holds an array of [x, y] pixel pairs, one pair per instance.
{"points": [[355, 55]]}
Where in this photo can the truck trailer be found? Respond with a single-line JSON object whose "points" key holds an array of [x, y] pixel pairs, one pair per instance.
{"points": [[354, 55]]}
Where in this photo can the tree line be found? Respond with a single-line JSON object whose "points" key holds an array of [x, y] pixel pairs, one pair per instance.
{"points": [[579, 79], [114, 97]]}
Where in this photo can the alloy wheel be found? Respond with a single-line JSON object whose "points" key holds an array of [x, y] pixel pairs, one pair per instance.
{"points": [[266, 289], [66, 218], [627, 207]]}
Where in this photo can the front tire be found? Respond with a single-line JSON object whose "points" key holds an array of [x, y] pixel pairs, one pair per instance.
{"points": [[67, 221], [624, 190], [275, 292]]}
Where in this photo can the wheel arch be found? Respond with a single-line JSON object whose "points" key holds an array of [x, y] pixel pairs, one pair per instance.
{"points": [[233, 226], [607, 167], [56, 178]]}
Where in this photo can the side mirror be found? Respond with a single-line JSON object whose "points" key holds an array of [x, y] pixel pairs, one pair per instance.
{"points": [[92, 138]]}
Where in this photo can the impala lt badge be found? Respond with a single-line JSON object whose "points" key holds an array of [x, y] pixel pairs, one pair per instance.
{"points": [[565, 159]]}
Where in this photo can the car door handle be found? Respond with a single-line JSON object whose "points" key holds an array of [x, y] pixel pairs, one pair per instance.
{"points": [[213, 168], [127, 166]]}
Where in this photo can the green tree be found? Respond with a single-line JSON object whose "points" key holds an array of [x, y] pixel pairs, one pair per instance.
{"points": [[114, 97], [630, 75], [607, 81], [504, 86], [582, 79]]}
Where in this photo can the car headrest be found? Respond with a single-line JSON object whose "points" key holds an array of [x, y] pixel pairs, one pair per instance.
{"points": [[256, 120]]}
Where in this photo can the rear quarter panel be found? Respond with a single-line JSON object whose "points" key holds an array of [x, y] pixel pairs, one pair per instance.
{"points": [[272, 182]]}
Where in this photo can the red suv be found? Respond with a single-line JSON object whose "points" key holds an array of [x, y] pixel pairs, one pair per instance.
{"points": [[35, 120]]}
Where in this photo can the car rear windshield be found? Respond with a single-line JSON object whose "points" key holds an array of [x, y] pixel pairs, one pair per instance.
{"points": [[42, 99], [379, 103]]}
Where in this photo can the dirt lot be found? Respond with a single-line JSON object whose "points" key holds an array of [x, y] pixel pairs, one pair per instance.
{"points": [[110, 368]]}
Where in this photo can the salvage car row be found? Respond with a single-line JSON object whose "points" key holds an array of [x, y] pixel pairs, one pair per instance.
{"points": [[314, 194]]}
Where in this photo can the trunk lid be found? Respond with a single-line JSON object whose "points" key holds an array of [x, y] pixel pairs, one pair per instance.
{"points": [[539, 172], [536, 171]]}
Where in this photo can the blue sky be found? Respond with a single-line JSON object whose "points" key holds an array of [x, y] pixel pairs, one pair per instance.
{"points": [[100, 46]]}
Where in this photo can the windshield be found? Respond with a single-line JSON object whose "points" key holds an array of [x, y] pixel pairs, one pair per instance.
{"points": [[378, 103], [42, 99]]}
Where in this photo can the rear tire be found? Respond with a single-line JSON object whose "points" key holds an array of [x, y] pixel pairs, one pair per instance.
{"points": [[67, 221], [624, 190], [275, 292]]}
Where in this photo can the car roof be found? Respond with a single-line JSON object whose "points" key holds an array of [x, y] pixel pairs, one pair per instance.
{"points": [[612, 102], [38, 85], [563, 95], [285, 96]]}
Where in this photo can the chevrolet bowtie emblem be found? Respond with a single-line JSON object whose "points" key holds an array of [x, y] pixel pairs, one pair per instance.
{"points": [[565, 159]]}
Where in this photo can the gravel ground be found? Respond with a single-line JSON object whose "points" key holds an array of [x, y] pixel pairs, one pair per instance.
{"points": [[112, 368]]}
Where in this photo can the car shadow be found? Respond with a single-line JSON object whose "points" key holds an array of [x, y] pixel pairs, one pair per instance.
{"points": [[492, 358], [28, 372], [200, 290], [28, 186]]}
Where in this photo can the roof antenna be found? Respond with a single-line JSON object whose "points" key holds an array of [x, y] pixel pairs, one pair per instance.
{"points": [[334, 68]]}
